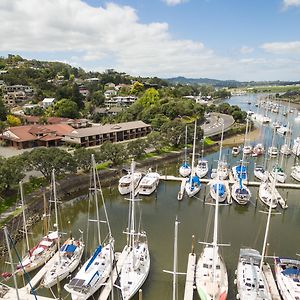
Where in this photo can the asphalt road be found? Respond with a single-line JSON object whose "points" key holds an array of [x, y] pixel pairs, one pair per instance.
{"points": [[214, 122]]}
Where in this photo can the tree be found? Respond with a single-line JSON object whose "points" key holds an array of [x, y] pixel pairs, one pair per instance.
{"points": [[114, 152], [3, 111], [13, 121], [136, 148], [82, 158], [98, 98], [137, 88], [76, 96], [66, 108], [150, 97], [47, 159], [155, 140], [11, 172]]}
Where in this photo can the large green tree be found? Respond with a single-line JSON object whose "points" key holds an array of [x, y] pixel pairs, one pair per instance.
{"points": [[47, 159], [113, 152], [66, 108]]}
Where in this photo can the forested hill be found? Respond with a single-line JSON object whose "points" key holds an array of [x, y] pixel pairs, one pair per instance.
{"points": [[225, 83]]}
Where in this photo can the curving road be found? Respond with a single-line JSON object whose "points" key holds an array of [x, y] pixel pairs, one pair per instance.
{"points": [[213, 124]]}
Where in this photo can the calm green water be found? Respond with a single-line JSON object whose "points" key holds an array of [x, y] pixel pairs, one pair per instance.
{"points": [[239, 226]]}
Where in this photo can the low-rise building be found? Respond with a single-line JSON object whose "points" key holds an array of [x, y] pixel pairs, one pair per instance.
{"points": [[98, 134], [120, 101], [29, 136], [110, 93]]}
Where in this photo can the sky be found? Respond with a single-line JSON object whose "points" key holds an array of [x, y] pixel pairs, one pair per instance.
{"points": [[222, 39]]}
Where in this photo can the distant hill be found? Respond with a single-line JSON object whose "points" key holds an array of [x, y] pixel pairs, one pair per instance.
{"points": [[226, 83]]}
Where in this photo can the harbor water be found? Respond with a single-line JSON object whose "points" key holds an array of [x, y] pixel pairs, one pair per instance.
{"points": [[238, 225]]}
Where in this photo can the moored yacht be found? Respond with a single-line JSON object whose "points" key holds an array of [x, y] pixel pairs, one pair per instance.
{"points": [[261, 173], [285, 149], [240, 193], [279, 174], [267, 195], [273, 151], [258, 149], [202, 168], [149, 183], [287, 272], [251, 281], [235, 150], [296, 172], [125, 186], [296, 146]]}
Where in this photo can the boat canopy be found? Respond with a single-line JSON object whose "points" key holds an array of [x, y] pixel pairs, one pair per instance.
{"points": [[221, 188], [185, 165], [68, 248], [97, 251], [291, 272]]}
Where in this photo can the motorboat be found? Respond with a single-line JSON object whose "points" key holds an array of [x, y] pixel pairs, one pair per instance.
{"points": [[279, 174], [148, 183], [247, 149], [285, 150], [125, 186], [251, 281], [261, 173], [240, 193], [273, 151], [296, 173], [235, 151], [287, 273], [258, 149], [223, 170], [296, 146], [202, 168], [283, 130], [266, 119], [276, 124], [267, 195]]}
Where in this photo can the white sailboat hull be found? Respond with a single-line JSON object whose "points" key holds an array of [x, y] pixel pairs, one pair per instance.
{"points": [[296, 173], [135, 269], [241, 196], [90, 278], [185, 171], [207, 287], [287, 276], [60, 269], [251, 282], [266, 195]]}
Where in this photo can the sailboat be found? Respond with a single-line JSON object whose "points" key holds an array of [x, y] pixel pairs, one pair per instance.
{"points": [[250, 278], [44, 249], [136, 266], [202, 165], [218, 190], [287, 272], [69, 254], [273, 150], [97, 269], [211, 274], [192, 185], [239, 191], [185, 169]]}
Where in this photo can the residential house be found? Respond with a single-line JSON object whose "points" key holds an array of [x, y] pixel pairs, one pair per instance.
{"points": [[120, 101], [110, 93], [48, 102]]}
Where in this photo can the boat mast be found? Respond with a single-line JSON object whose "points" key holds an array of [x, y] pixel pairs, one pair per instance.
{"points": [[132, 210], [193, 156], [11, 261], [268, 222], [96, 198], [56, 210], [185, 146], [24, 217], [175, 291]]}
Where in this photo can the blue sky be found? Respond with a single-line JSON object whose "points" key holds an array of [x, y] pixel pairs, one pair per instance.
{"points": [[222, 39]]}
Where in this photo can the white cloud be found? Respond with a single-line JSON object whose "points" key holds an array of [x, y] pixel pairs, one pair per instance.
{"points": [[246, 50], [288, 3], [282, 47], [174, 2], [113, 37]]}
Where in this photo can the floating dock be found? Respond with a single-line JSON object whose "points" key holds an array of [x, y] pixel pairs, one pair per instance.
{"points": [[115, 273], [190, 276], [271, 282]]}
